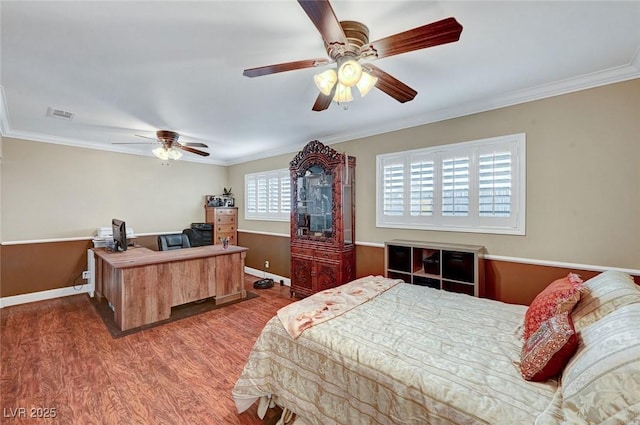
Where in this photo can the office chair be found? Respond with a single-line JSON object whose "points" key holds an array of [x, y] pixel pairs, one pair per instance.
{"points": [[173, 241]]}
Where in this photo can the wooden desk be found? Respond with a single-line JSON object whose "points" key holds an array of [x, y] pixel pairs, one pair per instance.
{"points": [[142, 285]]}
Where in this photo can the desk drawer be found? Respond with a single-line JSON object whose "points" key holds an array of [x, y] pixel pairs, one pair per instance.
{"points": [[225, 228], [225, 211], [225, 219], [335, 256], [304, 252], [231, 236], [317, 254]]}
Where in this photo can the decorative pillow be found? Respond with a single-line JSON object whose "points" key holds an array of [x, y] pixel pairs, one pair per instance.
{"points": [[548, 350], [560, 296], [601, 382], [603, 294]]}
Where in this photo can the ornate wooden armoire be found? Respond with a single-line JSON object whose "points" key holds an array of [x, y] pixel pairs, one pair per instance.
{"points": [[322, 219]]}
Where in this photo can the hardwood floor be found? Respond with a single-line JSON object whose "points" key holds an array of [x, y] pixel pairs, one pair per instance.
{"points": [[56, 356]]}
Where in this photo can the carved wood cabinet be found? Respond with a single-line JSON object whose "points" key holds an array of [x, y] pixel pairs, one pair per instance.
{"points": [[322, 219]]}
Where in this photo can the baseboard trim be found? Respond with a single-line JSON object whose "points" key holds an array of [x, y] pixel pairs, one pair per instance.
{"points": [[45, 295], [263, 274]]}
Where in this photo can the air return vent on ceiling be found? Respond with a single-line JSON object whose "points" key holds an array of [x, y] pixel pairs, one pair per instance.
{"points": [[59, 113]]}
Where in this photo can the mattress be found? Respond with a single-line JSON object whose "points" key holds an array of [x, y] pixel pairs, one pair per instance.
{"points": [[411, 355]]}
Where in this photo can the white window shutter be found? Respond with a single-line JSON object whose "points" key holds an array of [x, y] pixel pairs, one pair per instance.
{"points": [[477, 186]]}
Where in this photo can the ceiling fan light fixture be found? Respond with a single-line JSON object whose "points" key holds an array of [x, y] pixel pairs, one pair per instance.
{"points": [[174, 154], [161, 153], [366, 83], [343, 94], [166, 154], [349, 72], [325, 81]]}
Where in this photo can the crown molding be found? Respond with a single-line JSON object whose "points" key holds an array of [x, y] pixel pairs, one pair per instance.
{"points": [[44, 138], [597, 79]]}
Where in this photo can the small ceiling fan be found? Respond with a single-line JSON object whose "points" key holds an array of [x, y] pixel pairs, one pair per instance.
{"points": [[170, 145], [347, 44]]}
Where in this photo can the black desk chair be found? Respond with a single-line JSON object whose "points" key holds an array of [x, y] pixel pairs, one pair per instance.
{"points": [[173, 241]]}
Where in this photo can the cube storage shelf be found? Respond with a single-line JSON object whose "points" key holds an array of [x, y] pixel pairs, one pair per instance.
{"points": [[450, 267]]}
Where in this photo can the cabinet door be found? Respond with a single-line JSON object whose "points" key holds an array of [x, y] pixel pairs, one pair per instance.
{"points": [[302, 274], [313, 218], [326, 275]]}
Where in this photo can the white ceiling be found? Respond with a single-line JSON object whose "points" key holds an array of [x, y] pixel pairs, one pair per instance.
{"points": [[126, 68]]}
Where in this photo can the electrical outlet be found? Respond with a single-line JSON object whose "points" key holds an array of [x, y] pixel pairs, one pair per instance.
{"points": [[85, 274], [266, 264]]}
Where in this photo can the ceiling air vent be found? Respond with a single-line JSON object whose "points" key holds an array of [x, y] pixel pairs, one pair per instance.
{"points": [[59, 113]]}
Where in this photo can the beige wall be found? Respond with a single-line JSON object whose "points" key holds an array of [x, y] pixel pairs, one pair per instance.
{"points": [[236, 181], [54, 191], [583, 175], [583, 201]]}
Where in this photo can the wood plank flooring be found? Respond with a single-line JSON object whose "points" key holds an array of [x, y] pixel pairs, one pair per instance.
{"points": [[56, 356]]}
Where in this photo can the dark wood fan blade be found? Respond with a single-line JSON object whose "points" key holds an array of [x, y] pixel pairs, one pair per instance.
{"points": [[195, 145], [324, 18], [283, 67], [391, 85], [441, 32], [324, 101], [134, 143], [146, 137], [192, 150]]}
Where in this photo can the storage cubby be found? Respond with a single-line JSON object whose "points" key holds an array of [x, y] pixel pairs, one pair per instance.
{"points": [[400, 258], [450, 267]]}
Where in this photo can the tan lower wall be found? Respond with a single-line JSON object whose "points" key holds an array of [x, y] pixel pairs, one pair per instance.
{"points": [[519, 283], [35, 267], [274, 249]]}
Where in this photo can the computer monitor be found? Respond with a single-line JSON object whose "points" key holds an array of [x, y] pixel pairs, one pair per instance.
{"points": [[119, 235]]}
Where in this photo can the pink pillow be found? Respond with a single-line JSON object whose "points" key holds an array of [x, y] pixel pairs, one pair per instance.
{"points": [[560, 296], [549, 349]]}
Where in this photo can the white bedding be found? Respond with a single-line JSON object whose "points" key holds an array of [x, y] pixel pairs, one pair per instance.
{"points": [[412, 355]]}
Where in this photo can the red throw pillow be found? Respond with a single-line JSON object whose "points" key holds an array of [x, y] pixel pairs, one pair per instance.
{"points": [[560, 296], [549, 349]]}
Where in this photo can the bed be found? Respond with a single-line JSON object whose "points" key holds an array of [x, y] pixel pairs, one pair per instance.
{"points": [[414, 355]]}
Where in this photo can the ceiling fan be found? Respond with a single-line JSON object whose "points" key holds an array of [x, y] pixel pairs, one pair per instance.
{"points": [[347, 44], [170, 145]]}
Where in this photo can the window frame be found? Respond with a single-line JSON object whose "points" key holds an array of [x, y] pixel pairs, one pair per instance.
{"points": [[282, 214], [515, 224]]}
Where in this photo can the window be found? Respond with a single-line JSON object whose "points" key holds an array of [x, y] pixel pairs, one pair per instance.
{"points": [[268, 195], [476, 186]]}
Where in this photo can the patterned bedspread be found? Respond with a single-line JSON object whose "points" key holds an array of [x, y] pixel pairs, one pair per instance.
{"points": [[411, 355], [330, 303]]}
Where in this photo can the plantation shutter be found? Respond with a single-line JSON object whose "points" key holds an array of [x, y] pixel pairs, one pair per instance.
{"points": [[477, 186], [495, 184], [455, 186], [422, 188], [262, 195], [285, 194], [252, 196], [268, 195], [393, 190]]}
